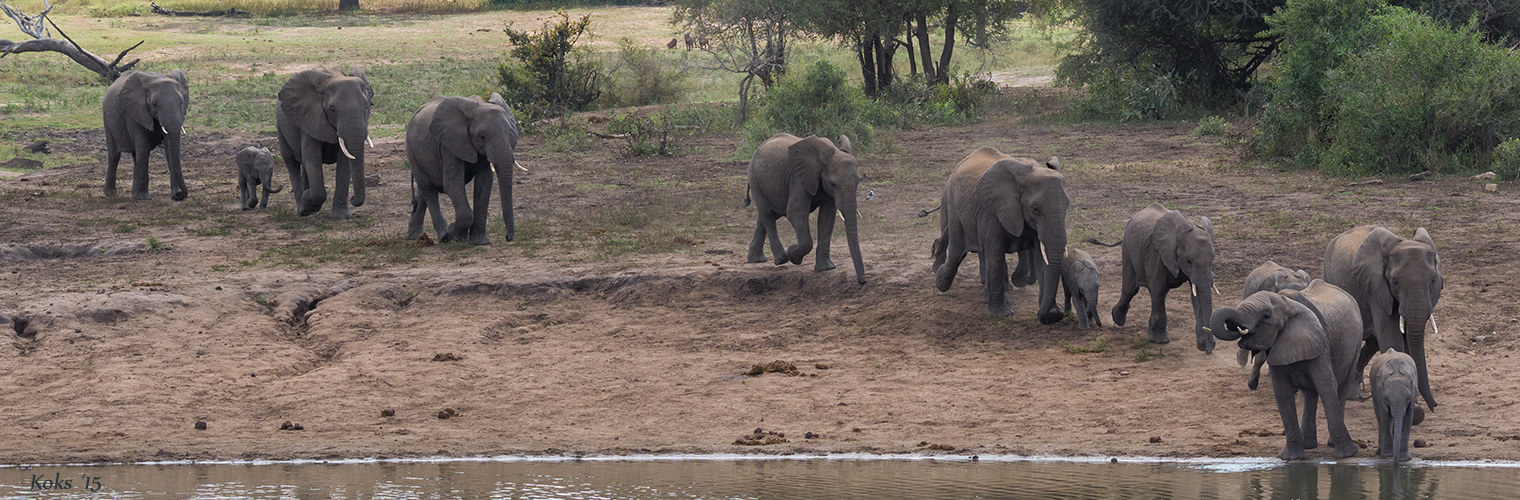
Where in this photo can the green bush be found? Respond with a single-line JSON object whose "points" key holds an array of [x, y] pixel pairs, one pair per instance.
{"points": [[650, 134], [1507, 159], [1390, 92], [641, 76], [818, 102], [552, 75], [1212, 125], [566, 135], [1127, 94], [915, 102]]}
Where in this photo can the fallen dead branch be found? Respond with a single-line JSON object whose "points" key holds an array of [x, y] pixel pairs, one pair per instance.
{"points": [[44, 42], [191, 13]]}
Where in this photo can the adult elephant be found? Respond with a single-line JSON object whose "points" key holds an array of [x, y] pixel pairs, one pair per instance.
{"points": [[143, 111], [1310, 337], [995, 204], [1269, 277], [452, 141], [791, 177], [1163, 250], [322, 116], [1397, 283]]}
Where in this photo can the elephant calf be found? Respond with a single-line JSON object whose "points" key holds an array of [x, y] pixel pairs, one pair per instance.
{"points": [[1311, 338], [1080, 279], [1395, 387], [1268, 277], [255, 167], [1163, 250]]}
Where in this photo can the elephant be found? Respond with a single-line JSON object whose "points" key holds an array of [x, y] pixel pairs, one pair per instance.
{"points": [[322, 116], [1397, 282], [143, 111], [995, 204], [792, 177], [255, 167], [450, 142], [1270, 277], [1080, 280], [1311, 338], [1162, 250], [1394, 393]]}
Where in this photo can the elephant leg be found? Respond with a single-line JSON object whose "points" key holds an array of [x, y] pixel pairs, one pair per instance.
{"points": [[341, 180], [768, 220], [1311, 409], [1259, 359], [1158, 314], [955, 253], [1021, 271], [1370, 348], [242, 180], [1385, 428], [314, 192], [1409, 421], [140, 173], [797, 213], [995, 264], [1080, 312], [482, 206], [757, 243], [1128, 287], [937, 251], [113, 157], [1335, 408], [419, 210], [1284, 393], [292, 161], [433, 208], [264, 198], [825, 229]]}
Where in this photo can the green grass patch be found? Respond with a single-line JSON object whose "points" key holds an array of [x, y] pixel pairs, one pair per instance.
{"points": [[1097, 345]]}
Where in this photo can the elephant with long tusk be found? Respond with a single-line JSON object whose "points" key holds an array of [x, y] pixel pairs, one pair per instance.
{"points": [[322, 116]]}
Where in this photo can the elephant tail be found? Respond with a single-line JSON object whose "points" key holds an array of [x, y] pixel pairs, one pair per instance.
{"points": [[925, 213], [276, 189], [1096, 242], [746, 196]]}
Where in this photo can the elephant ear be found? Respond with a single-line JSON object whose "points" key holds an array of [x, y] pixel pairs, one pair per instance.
{"points": [[179, 76], [844, 144], [369, 92], [1423, 236], [807, 157], [511, 117], [1369, 269], [1164, 237], [999, 191], [303, 100], [1302, 336], [1053, 163], [451, 126], [134, 99]]}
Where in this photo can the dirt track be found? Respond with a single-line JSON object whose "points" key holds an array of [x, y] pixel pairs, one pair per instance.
{"points": [[623, 317]]}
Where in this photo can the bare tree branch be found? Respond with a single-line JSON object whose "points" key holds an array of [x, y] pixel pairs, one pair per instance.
{"points": [[30, 25], [36, 27], [208, 13]]}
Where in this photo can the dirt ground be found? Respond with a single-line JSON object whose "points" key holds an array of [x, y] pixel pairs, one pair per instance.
{"points": [[623, 319]]}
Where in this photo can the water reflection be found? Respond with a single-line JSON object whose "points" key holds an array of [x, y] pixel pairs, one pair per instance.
{"points": [[768, 479]]}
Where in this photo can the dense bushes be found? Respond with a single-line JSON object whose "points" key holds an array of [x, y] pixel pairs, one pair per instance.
{"points": [[639, 77], [1364, 88], [551, 76], [818, 102]]}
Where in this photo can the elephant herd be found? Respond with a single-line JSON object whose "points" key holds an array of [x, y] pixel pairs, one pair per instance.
{"points": [[322, 117], [1317, 335]]}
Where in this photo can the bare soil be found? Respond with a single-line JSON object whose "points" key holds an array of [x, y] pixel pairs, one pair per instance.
{"points": [[623, 319]]}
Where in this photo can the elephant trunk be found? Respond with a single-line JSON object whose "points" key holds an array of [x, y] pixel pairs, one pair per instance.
{"points": [[1415, 316], [351, 141], [1225, 323], [172, 135], [850, 212], [1055, 250], [505, 161], [1396, 430], [1203, 305]]}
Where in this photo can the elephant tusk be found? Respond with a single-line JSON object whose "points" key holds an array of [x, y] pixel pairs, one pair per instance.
{"points": [[370, 141], [183, 131], [1401, 326], [1208, 330], [164, 130], [344, 147], [1245, 331], [840, 214], [519, 166], [1195, 289], [1216, 290], [1433, 325]]}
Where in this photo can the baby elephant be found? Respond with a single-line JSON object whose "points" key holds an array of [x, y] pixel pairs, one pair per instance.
{"points": [[1394, 389], [1080, 279], [255, 167]]}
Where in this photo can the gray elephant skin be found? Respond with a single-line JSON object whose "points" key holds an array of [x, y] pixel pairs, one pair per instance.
{"points": [[453, 141], [255, 168], [143, 111], [995, 204], [1268, 277], [1311, 338], [791, 177], [1080, 282], [322, 117], [1395, 390], [1397, 282], [1163, 250]]}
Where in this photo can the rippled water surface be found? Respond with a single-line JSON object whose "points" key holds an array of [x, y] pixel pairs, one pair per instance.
{"points": [[764, 479]]}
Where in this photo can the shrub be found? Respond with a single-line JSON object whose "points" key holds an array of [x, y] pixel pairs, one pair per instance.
{"points": [[1128, 94], [644, 135], [1400, 93], [915, 101], [565, 135], [818, 102], [642, 77], [1506, 161], [1212, 125], [551, 76]]}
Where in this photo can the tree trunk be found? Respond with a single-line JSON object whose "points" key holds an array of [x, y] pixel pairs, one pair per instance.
{"points": [[867, 65], [912, 62], [952, 14], [922, 32], [348, 4], [885, 72]]}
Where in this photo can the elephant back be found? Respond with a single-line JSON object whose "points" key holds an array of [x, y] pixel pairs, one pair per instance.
{"points": [[1340, 316]]}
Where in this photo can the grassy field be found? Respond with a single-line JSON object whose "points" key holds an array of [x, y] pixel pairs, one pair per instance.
{"points": [[236, 66]]}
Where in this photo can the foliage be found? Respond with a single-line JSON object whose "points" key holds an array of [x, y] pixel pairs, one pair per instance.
{"points": [[649, 134], [1507, 158], [915, 101], [641, 77], [1395, 92], [1211, 126], [875, 29], [749, 37], [818, 102], [1497, 19], [566, 135], [552, 75], [1097, 345], [1196, 51]]}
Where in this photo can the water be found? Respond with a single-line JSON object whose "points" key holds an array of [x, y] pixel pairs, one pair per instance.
{"points": [[774, 478]]}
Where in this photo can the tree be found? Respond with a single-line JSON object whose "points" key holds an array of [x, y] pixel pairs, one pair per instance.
{"points": [[552, 75], [43, 41], [749, 37], [875, 29]]}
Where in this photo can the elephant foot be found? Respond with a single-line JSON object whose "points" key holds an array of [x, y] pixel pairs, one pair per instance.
{"points": [[794, 254], [1253, 382], [413, 233], [480, 239], [1119, 314], [1310, 444], [998, 310], [1053, 316], [110, 191], [1290, 454], [357, 200], [1419, 416], [339, 213], [1346, 450], [142, 196], [179, 194], [942, 282], [755, 257], [1242, 357], [1159, 337], [823, 265]]}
